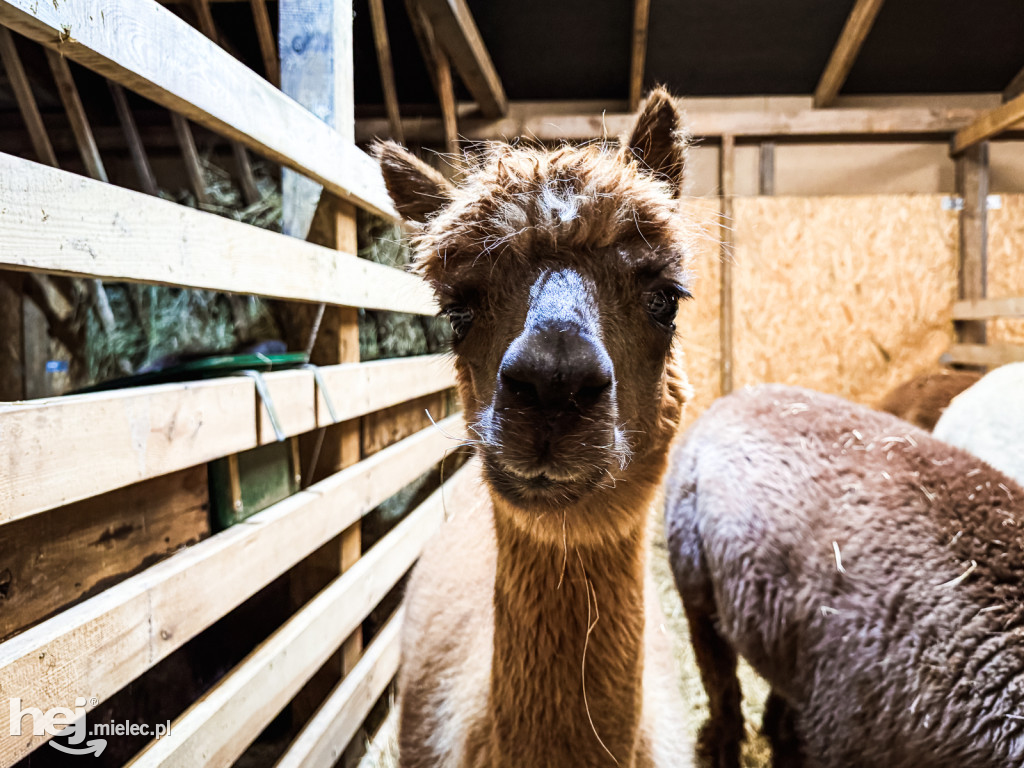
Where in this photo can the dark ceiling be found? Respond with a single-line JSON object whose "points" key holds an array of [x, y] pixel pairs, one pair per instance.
{"points": [[579, 49]]}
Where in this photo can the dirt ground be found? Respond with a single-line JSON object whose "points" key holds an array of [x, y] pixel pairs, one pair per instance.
{"points": [[756, 753]]}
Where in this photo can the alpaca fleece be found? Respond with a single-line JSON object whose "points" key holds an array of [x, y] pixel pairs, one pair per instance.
{"points": [[871, 573]]}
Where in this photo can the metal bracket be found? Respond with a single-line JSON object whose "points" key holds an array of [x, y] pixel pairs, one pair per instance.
{"points": [[264, 394], [322, 389], [956, 203]]}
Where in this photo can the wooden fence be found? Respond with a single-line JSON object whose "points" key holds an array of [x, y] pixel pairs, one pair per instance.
{"points": [[126, 468]]}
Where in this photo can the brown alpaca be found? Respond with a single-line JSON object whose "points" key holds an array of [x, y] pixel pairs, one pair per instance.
{"points": [[922, 399], [532, 638]]}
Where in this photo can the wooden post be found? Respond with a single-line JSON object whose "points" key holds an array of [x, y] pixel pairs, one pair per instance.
{"points": [[766, 169], [26, 101], [147, 181], [972, 187], [190, 155], [12, 355], [76, 115], [726, 183], [440, 71]]}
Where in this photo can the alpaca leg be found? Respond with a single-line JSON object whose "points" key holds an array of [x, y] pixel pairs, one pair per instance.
{"points": [[720, 737], [779, 726]]}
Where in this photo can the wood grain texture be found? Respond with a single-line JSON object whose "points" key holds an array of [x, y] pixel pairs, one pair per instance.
{"points": [[109, 640], [972, 173], [77, 118], [48, 454], [387, 70], [57, 559], [989, 125], [52, 221], [855, 32], [146, 48], [986, 309], [638, 54], [440, 70], [458, 36], [268, 44], [910, 121]]}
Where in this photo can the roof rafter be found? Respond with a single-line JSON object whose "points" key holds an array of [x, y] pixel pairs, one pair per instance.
{"points": [[855, 32], [641, 17]]}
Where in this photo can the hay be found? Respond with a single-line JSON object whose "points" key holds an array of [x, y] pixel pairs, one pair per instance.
{"points": [[1006, 264]]}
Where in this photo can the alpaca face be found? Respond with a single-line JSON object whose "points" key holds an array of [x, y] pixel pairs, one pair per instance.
{"points": [[561, 273]]}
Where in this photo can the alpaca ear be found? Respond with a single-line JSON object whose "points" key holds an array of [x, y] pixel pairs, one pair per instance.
{"points": [[658, 140], [417, 190]]}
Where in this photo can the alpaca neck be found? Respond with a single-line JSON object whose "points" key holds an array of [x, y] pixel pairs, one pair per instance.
{"points": [[549, 705]]}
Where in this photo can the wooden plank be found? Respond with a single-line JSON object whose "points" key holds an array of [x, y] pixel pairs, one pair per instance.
{"points": [[268, 44], [855, 31], [383, 748], [727, 188], [383, 428], [48, 454], [1015, 87], [190, 158], [834, 123], [76, 115], [53, 221], [972, 185], [460, 39], [292, 394], [60, 558], [173, 69], [766, 168], [323, 740], [218, 728], [101, 645], [987, 309], [26, 101], [440, 71], [387, 71], [989, 125], [147, 181], [12, 352], [641, 16], [985, 355]]}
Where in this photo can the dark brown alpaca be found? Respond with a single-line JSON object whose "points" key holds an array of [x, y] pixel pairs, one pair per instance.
{"points": [[870, 572], [531, 637], [922, 399]]}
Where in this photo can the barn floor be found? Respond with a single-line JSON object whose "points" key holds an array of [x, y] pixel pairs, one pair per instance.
{"points": [[756, 753]]}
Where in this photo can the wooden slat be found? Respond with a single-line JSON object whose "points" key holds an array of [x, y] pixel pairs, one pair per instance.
{"points": [[52, 221], [190, 158], [440, 71], [911, 121], [988, 125], [48, 454], [989, 355], [987, 309], [727, 188], [325, 737], [268, 45], [26, 100], [76, 115], [387, 71], [104, 643], [219, 727], [641, 16], [179, 68], [458, 35], [147, 181], [855, 31]]}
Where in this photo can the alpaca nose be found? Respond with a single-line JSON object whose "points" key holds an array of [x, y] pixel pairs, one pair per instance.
{"points": [[555, 370]]}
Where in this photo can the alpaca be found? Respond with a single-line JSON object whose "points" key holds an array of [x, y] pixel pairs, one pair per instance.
{"points": [[871, 573], [988, 420], [922, 399], [531, 637]]}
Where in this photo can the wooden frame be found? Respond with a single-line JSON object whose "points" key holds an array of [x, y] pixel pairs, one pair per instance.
{"points": [[989, 125], [855, 31]]}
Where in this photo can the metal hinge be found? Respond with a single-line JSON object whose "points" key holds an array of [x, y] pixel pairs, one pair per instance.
{"points": [[956, 203]]}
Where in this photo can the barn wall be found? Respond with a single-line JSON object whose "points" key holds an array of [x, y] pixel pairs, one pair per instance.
{"points": [[1006, 263]]}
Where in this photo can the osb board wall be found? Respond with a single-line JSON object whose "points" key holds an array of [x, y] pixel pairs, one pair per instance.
{"points": [[848, 295], [1006, 263]]}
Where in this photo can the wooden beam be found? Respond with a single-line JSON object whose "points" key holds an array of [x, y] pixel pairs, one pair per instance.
{"points": [[51, 458], [59, 222], [190, 158], [766, 168], [440, 71], [147, 181], [989, 125], [76, 115], [985, 355], [267, 41], [972, 186], [641, 16], [1015, 87], [387, 71], [726, 227], [325, 737], [26, 101], [808, 123], [988, 309], [855, 31], [12, 352], [102, 644], [172, 69], [459, 37]]}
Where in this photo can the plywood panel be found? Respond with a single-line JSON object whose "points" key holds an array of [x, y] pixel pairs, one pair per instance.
{"points": [[1006, 264]]}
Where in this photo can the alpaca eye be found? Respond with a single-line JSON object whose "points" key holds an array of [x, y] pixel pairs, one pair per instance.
{"points": [[662, 306], [461, 319]]}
